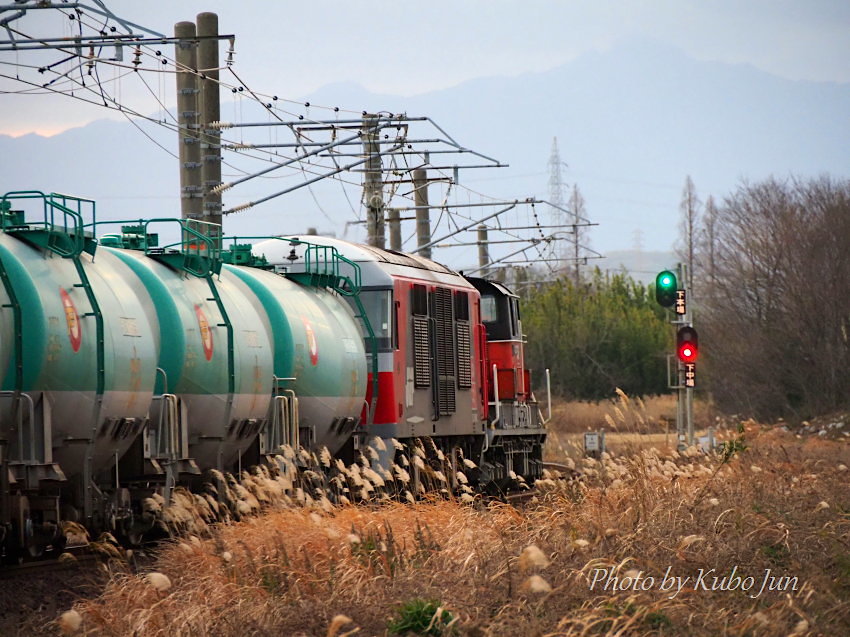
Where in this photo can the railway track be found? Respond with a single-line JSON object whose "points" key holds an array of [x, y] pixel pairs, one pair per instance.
{"points": [[562, 468], [42, 566]]}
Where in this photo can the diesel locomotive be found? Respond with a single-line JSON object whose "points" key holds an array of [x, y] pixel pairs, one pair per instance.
{"points": [[128, 367]]}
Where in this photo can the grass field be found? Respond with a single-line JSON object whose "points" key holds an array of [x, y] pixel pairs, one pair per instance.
{"points": [[590, 556]]}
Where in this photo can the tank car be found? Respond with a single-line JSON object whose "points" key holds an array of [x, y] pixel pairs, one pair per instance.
{"points": [[130, 366]]}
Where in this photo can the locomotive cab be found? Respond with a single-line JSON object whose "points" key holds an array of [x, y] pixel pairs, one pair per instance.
{"points": [[516, 434], [500, 316]]}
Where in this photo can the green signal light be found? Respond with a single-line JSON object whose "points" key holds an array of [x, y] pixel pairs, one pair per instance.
{"points": [[665, 288]]}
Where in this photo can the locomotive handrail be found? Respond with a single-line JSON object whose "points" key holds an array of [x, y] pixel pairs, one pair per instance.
{"points": [[373, 344], [496, 398]]}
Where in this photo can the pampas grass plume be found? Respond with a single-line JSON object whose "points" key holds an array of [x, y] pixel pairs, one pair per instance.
{"points": [[532, 557], [536, 584], [336, 624], [70, 622], [158, 580]]}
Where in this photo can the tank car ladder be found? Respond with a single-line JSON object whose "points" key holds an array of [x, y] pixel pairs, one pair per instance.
{"points": [[199, 255], [322, 269]]}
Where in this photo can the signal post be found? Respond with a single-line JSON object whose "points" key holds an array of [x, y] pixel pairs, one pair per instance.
{"points": [[672, 291]]}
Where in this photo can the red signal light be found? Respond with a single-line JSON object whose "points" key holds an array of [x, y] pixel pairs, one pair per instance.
{"points": [[687, 354], [687, 344]]}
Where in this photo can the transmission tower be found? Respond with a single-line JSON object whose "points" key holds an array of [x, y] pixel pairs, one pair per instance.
{"points": [[556, 181], [557, 193]]}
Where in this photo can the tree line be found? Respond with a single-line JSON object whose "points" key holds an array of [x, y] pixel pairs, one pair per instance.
{"points": [[770, 271], [602, 333], [771, 266]]}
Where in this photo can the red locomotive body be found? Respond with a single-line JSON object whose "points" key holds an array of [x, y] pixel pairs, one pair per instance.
{"points": [[447, 352]]}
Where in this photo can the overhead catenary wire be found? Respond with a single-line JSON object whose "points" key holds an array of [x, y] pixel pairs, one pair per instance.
{"points": [[307, 164]]}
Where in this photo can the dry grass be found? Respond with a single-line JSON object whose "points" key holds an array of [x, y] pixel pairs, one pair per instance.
{"points": [[645, 415], [630, 424], [782, 504]]}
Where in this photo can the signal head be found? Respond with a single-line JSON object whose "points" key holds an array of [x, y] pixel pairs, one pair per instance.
{"points": [[665, 288], [687, 344]]}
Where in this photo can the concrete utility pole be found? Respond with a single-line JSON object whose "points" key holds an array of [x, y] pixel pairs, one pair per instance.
{"points": [[575, 205], [483, 251], [189, 148], [210, 112], [394, 220], [373, 189], [423, 211]]}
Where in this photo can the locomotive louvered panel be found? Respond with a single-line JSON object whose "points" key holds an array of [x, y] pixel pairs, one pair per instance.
{"points": [[421, 352], [447, 396], [445, 351], [464, 355]]}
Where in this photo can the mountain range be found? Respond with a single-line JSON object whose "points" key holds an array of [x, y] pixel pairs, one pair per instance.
{"points": [[631, 123]]}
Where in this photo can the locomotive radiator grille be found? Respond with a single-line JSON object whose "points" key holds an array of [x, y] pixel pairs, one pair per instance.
{"points": [[445, 351], [421, 352], [464, 355]]}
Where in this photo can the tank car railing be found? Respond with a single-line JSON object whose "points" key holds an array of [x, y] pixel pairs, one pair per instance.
{"points": [[53, 204], [199, 240], [319, 261]]}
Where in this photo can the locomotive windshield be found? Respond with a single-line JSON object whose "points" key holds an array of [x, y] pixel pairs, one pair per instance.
{"points": [[488, 309], [500, 315]]}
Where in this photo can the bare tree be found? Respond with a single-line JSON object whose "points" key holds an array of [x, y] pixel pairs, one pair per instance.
{"points": [[776, 260], [706, 253], [689, 209]]}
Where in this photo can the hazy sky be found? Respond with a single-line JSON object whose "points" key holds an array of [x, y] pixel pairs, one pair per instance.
{"points": [[403, 47]]}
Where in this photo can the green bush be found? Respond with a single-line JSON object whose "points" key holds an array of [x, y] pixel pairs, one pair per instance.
{"points": [[420, 617]]}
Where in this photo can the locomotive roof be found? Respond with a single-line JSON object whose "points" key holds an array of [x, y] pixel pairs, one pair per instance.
{"points": [[276, 251], [488, 285]]}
